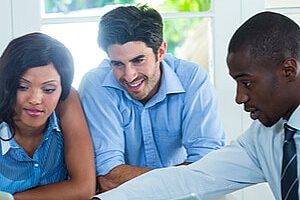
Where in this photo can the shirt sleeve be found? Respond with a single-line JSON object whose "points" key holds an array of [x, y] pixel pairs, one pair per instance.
{"points": [[202, 128], [104, 123], [218, 173]]}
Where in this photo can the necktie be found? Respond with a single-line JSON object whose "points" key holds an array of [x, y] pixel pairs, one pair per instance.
{"points": [[289, 176]]}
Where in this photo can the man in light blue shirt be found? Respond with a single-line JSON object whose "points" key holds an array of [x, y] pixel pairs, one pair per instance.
{"points": [[146, 109], [263, 58]]}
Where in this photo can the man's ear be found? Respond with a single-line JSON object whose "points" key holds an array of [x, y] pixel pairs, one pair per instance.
{"points": [[290, 69], [161, 52]]}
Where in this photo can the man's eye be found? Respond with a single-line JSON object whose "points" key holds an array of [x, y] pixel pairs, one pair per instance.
{"points": [[138, 60], [117, 64], [247, 84]]}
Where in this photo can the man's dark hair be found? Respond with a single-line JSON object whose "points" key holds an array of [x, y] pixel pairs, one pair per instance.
{"points": [[268, 36], [131, 23]]}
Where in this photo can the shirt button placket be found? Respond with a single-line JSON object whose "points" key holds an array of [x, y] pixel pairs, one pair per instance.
{"points": [[37, 173], [149, 144]]}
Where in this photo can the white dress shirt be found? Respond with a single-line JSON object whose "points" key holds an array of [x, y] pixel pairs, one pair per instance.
{"points": [[255, 157]]}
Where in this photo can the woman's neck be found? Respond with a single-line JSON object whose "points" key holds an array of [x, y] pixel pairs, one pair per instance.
{"points": [[29, 138]]}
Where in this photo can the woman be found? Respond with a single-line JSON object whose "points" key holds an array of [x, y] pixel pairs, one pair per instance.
{"points": [[38, 160]]}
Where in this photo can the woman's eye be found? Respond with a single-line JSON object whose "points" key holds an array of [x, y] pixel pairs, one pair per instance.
{"points": [[49, 90], [22, 88]]}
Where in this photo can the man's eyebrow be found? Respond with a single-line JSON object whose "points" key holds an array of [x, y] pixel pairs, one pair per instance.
{"points": [[137, 57], [242, 76], [113, 62]]}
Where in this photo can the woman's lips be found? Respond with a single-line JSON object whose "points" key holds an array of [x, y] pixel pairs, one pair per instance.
{"points": [[34, 112]]}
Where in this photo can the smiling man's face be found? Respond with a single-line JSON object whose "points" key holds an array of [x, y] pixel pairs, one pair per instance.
{"points": [[137, 68]]}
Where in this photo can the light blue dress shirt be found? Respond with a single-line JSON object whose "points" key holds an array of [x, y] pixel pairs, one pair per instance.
{"points": [[19, 172], [181, 123], [255, 157]]}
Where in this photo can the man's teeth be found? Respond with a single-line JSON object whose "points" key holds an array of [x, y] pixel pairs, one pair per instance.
{"points": [[134, 85]]}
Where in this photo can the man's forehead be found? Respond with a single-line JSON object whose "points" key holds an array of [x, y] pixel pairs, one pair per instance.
{"points": [[241, 64], [128, 51], [129, 60]]}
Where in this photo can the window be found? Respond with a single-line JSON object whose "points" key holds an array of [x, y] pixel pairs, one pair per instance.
{"points": [[75, 23]]}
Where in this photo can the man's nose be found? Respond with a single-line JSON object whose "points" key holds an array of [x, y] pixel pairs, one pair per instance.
{"points": [[241, 96], [130, 73]]}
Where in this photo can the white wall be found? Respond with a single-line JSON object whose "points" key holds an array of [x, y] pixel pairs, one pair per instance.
{"points": [[5, 23], [26, 16], [222, 31], [18, 17]]}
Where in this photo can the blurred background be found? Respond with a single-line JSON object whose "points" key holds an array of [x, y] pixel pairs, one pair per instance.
{"points": [[196, 30]]}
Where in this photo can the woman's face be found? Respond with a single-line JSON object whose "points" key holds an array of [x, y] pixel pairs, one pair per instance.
{"points": [[37, 96]]}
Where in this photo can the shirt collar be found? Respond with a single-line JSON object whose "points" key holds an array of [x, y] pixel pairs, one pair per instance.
{"points": [[170, 82], [294, 120], [54, 122], [110, 80], [6, 133]]}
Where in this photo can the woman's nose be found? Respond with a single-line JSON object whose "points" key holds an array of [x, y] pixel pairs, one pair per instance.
{"points": [[36, 97]]}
